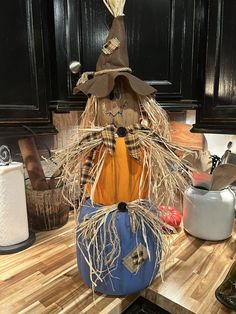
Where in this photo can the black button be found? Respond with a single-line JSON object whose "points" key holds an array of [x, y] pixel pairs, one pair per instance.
{"points": [[122, 207], [121, 131]]}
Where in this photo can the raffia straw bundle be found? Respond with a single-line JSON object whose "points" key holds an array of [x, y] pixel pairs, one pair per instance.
{"points": [[116, 7], [88, 118], [70, 161], [156, 116], [102, 225], [162, 168]]}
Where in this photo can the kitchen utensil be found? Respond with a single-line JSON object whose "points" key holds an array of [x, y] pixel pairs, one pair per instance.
{"points": [[224, 158], [232, 159], [223, 176], [32, 162], [216, 160]]}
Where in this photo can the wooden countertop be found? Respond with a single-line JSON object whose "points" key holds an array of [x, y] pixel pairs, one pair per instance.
{"points": [[196, 268], [44, 278]]}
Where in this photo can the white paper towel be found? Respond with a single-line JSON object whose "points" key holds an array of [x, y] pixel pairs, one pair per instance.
{"points": [[13, 213]]}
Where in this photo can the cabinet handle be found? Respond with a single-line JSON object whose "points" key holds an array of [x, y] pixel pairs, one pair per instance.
{"points": [[75, 67]]}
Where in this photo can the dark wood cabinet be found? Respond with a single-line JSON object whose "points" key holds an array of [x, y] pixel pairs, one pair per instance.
{"points": [[218, 110], [184, 48], [162, 41], [25, 79]]}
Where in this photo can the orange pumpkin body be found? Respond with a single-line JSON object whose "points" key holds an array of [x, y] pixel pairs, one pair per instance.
{"points": [[120, 177]]}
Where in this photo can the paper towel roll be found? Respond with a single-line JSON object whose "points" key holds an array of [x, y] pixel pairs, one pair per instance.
{"points": [[13, 213]]}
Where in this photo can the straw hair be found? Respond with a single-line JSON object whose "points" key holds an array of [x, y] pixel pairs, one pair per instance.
{"points": [[116, 7], [88, 117], [154, 116], [166, 173], [163, 170]]}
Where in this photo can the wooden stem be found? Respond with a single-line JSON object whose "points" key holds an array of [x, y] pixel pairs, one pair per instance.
{"points": [[32, 163]]}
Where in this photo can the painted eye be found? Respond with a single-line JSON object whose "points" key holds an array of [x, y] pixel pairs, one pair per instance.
{"points": [[117, 94], [112, 95]]}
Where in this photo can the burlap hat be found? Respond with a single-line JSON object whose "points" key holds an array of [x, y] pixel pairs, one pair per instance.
{"points": [[113, 62]]}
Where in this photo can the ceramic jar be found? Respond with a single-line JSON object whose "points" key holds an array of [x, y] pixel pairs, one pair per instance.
{"points": [[208, 215]]}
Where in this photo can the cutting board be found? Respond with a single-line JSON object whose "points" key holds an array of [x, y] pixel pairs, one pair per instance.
{"points": [[181, 135]]}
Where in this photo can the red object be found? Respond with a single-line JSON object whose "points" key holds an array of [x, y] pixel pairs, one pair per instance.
{"points": [[170, 215]]}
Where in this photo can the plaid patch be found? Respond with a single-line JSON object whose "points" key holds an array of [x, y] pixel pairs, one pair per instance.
{"points": [[109, 138], [87, 167], [90, 137], [132, 141], [110, 46]]}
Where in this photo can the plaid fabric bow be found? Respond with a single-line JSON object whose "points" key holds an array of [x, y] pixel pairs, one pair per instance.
{"points": [[107, 137]]}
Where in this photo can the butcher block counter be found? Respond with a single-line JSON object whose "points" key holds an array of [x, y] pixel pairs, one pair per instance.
{"points": [[194, 271], [44, 278]]}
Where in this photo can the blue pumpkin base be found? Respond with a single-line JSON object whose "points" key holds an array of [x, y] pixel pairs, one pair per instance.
{"points": [[122, 281]]}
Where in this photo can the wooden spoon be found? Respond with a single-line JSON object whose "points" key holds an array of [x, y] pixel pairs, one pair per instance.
{"points": [[31, 158], [223, 176]]}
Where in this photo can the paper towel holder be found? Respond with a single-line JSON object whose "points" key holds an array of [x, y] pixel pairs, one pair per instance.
{"points": [[6, 161], [15, 248], [5, 156]]}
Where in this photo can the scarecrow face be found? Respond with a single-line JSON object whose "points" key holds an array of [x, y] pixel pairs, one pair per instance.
{"points": [[120, 108]]}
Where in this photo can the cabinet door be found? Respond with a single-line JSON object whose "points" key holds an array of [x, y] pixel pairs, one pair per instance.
{"points": [[218, 110], [161, 39], [23, 64]]}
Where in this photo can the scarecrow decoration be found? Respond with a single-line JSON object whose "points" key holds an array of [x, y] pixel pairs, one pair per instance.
{"points": [[120, 168]]}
